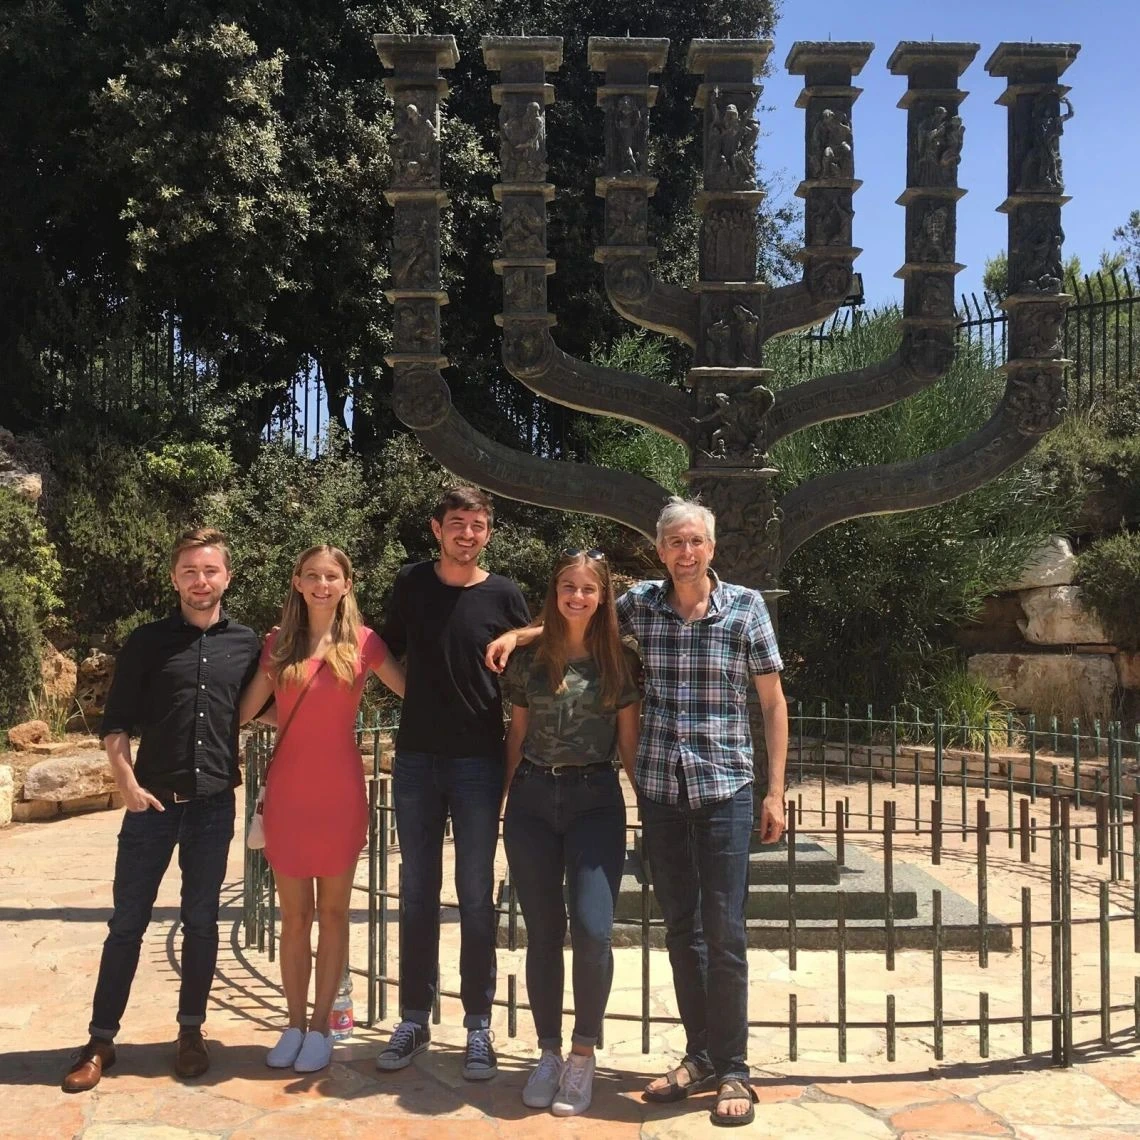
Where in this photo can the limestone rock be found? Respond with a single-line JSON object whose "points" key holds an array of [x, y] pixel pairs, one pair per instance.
{"points": [[27, 811], [93, 683], [85, 803], [1041, 681], [50, 748], [1053, 564], [1054, 615], [59, 676], [20, 736], [1128, 670], [7, 792], [69, 778], [995, 629]]}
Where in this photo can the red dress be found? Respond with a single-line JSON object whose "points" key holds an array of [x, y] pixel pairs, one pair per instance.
{"points": [[316, 809]]}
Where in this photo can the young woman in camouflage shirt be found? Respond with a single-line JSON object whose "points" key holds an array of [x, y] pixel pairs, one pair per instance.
{"points": [[574, 714]]}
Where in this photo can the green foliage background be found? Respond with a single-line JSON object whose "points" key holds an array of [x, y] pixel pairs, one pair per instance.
{"points": [[1109, 577]]}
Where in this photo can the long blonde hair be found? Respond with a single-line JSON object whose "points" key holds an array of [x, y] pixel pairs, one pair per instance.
{"points": [[291, 650], [603, 639]]}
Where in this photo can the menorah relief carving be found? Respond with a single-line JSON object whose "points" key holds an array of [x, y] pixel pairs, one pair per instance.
{"points": [[729, 415]]}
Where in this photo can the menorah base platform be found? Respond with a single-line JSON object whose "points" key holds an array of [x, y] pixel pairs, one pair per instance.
{"points": [[860, 881]]}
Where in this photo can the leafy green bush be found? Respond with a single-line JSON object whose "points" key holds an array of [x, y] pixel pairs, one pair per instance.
{"points": [[379, 513], [1109, 576], [29, 554], [967, 703], [1094, 456], [875, 601], [284, 503], [19, 646], [114, 512]]}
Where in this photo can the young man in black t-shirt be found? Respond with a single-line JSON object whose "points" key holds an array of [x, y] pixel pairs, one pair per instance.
{"points": [[449, 760]]}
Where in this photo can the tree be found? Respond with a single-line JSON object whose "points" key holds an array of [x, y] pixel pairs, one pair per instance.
{"points": [[1128, 238], [222, 167]]}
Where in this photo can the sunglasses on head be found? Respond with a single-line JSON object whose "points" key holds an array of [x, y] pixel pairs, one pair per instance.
{"points": [[593, 554]]}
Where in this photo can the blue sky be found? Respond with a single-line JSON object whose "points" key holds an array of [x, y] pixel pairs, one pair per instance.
{"points": [[1101, 146]]}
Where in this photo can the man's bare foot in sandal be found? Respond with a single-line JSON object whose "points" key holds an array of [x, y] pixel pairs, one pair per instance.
{"points": [[688, 1077], [735, 1103]]}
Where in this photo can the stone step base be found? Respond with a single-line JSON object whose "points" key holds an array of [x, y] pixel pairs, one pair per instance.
{"points": [[864, 901]]}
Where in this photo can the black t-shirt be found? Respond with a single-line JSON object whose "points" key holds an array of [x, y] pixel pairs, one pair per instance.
{"points": [[452, 704]]}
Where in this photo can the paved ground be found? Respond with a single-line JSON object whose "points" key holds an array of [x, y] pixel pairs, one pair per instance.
{"points": [[55, 898]]}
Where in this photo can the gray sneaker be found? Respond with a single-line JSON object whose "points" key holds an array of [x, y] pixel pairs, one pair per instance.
{"points": [[576, 1088], [479, 1063], [542, 1083], [408, 1040]]}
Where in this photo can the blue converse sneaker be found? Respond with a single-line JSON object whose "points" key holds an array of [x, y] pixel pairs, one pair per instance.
{"points": [[408, 1040], [479, 1062]]}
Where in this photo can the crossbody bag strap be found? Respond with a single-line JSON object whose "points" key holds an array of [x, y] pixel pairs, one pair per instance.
{"points": [[292, 713]]}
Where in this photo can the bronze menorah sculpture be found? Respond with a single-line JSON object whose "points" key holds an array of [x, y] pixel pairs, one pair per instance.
{"points": [[728, 417]]}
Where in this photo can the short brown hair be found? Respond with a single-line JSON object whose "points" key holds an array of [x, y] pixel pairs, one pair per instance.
{"points": [[464, 499], [200, 536]]}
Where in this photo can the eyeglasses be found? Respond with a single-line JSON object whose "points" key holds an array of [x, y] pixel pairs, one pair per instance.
{"points": [[593, 554]]}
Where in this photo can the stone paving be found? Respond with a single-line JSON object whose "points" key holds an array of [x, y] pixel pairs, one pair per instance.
{"points": [[55, 899]]}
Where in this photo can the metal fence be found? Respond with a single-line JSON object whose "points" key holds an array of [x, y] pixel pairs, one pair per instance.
{"points": [[1030, 832], [1100, 335], [150, 370]]}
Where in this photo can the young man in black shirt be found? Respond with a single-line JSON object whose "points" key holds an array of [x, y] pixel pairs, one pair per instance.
{"points": [[177, 684], [449, 760]]}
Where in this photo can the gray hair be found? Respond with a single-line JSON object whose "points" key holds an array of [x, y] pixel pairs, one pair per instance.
{"points": [[677, 511]]}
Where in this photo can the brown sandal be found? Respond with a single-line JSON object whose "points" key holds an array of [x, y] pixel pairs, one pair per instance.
{"points": [[698, 1081], [733, 1089]]}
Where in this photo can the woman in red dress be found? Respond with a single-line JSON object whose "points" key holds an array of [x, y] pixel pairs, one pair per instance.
{"points": [[316, 812]]}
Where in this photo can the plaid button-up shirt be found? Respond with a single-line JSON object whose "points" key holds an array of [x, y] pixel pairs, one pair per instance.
{"points": [[694, 712]]}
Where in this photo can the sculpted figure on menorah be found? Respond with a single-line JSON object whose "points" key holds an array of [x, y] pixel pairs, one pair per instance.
{"points": [[729, 415]]}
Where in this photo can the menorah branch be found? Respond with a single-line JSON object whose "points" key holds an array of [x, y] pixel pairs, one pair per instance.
{"points": [[934, 147], [1034, 399], [420, 395], [581, 487], [890, 488], [529, 350]]}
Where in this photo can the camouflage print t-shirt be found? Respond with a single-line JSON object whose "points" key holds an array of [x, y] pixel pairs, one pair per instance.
{"points": [[570, 727]]}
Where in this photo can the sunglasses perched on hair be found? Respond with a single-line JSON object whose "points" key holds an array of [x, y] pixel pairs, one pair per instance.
{"points": [[593, 554]]}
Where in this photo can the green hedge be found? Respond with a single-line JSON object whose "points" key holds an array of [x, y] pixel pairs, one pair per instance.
{"points": [[19, 647], [1109, 576]]}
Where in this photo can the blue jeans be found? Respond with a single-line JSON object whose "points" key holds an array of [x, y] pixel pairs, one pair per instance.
{"points": [[425, 789], [567, 827], [202, 830], [698, 858]]}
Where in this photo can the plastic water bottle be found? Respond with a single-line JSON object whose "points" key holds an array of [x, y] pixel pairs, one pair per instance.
{"points": [[340, 1018]]}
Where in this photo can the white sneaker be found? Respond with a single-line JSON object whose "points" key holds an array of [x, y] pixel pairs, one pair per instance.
{"points": [[284, 1053], [315, 1054], [576, 1087], [543, 1081]]}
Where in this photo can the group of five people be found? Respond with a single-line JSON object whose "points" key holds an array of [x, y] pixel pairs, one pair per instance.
{"points": [[673, 715]]}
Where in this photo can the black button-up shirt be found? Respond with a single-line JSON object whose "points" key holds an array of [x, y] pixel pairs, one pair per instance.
{"points": [[177, 687]]}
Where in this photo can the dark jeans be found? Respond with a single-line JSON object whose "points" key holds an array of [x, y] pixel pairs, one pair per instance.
{"points": [[567, 827], [426, 788], [698, 858], [202, 830]]}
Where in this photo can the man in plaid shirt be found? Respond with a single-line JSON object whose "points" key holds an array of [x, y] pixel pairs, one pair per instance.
{"points": [[702, 642]]}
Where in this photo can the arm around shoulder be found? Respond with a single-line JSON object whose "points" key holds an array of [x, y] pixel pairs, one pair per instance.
{"points": [[259, 688], [499, 651]]}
